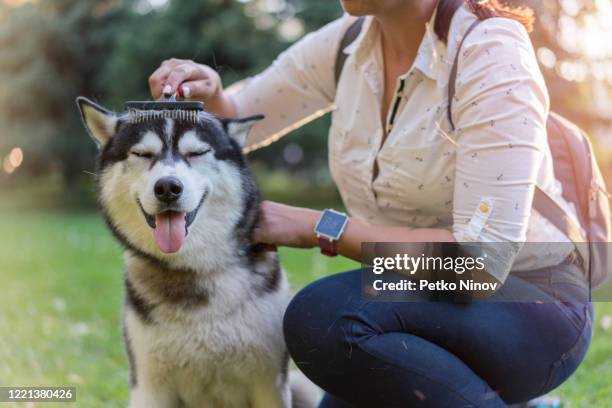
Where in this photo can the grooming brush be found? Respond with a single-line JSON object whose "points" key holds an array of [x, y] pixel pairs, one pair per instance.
{"points": [[167, 106]]}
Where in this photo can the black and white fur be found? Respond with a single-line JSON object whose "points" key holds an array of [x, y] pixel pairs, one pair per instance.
{"points": [[202, 326]]}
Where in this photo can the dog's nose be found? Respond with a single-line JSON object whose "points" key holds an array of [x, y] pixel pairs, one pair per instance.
{"points": [[168, 189]]}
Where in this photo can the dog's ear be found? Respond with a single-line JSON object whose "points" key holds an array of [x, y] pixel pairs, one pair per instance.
{"points": [[100, 122], [238, 129]]}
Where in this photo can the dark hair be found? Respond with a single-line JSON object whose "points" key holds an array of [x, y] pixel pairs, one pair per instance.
{"points": [[483, 9]]}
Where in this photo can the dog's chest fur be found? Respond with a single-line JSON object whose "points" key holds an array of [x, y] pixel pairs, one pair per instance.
{"points": [[208, 336]]}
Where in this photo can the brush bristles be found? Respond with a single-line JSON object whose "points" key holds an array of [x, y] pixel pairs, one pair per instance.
{"points": [[140, 116]]}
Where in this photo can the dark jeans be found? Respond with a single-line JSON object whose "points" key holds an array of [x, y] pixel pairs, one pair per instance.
{"points": [[439, 354]]}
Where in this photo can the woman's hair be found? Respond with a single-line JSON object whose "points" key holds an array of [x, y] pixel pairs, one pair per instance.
{"points": [[483, 9]]}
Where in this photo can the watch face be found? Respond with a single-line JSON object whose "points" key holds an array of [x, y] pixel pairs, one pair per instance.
{"points": [[331, 224]]}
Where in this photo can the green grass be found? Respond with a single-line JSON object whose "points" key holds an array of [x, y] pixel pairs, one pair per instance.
{"points": [[60, 311]]}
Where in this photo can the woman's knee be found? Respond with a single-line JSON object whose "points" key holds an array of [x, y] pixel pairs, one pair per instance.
{"points": [[308, 313], [315, 325], [293, 321]]}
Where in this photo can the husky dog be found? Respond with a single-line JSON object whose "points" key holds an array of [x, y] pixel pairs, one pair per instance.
{"points": [[203, 304]]}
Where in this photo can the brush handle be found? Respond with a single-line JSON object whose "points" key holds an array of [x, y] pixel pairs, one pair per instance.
{"points": [[177, 96]]}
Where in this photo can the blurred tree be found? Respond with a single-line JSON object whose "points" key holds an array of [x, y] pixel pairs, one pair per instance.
{"points": [[49, 53], [317, 13], [214, 32], [571, 39]]}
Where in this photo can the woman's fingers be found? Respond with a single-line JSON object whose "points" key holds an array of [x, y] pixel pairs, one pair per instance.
{"points": [[199, 90], [196, 81], [158, 79], [285, 225], [180, 74], [260, 232], [259, 235]]}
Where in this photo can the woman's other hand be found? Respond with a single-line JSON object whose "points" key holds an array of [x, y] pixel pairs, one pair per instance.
{"points": [[284, 225], [193, 81]]}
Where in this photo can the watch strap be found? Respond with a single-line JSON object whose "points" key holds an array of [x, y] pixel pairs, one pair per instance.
{"points": [[328, 246]]}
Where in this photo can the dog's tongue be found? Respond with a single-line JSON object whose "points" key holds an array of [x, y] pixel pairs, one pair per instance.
{"points": [[169, 231]]}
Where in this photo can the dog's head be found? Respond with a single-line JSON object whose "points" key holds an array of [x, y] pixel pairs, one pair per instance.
{"points": [[170, 186]]}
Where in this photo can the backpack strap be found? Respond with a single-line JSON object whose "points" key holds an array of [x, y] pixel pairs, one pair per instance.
{"points": [[542, 202], [557, 216], [350, 35], [453, 75]]}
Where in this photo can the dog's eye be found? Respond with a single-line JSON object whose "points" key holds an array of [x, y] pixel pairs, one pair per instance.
{"points": [[144, 155], [197, 153]]}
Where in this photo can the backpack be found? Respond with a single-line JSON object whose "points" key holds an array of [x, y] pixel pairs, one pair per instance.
{"points": [[574, 165]]}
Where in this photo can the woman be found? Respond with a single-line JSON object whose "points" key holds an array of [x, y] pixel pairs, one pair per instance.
{"points": [[406, 175]]}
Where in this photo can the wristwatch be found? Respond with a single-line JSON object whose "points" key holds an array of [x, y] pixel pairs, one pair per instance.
{"points": [[329, 229]]}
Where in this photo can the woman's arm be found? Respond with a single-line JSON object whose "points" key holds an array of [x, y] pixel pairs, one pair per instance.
{"points": [[500, 110], [285, 225], [297, 88]]}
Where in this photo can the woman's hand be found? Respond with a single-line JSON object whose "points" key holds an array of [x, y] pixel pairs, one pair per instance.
{"points": [[194, 81], [284, 225]]}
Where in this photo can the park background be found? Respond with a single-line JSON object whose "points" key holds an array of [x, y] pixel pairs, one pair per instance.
{"points": [[60, 270]]}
